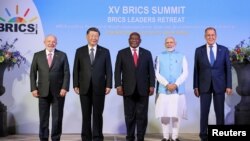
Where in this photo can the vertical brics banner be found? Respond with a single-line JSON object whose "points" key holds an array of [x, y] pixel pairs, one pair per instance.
{"points": [[29, 20], [21, 34]]}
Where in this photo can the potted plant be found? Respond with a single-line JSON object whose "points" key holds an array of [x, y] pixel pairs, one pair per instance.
{"points": [[9, 58], [240, 58]]}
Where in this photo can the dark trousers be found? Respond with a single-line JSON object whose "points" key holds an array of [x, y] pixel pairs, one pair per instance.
{"points": [[136, 115], [92, 102], [205, 102], [57, 104]]}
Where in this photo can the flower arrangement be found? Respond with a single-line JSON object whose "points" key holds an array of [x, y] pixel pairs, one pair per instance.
{"points": [[241, 52], [10, 56]]}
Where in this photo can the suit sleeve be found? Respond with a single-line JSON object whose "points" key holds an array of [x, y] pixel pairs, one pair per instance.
{"points": [[118, 69], [108, 71], [196, 72], [66, 78], [76, 70], [228, 71], [151, 71], [33, 74]]}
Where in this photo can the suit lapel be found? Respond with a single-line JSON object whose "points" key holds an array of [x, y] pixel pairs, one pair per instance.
{"points": [[130, 57], [141, 52], [204, 53], [219, 53], [55, 58], [85, 54], [97, 54], [44, 59]]}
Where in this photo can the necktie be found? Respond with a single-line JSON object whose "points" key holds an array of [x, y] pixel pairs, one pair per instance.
{"points": [[92, 56], [135, 56], [49, 59], [211, 56]]}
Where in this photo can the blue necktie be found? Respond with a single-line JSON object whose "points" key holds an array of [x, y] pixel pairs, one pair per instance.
{"points": [[211, 56]]}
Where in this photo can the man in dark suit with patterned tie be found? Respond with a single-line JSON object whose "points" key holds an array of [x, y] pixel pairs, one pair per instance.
{"points": [[212, 79], [135, 81], [49, 79], [92, 80]]}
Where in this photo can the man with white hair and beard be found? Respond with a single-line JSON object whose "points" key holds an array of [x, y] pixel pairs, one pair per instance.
{"points": [[171, 73]]}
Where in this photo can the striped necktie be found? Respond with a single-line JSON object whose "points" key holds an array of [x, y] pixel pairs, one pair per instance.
{"points": [[211, 56]]}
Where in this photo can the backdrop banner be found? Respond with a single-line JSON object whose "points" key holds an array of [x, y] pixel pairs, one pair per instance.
{"points": [[24, 23]]}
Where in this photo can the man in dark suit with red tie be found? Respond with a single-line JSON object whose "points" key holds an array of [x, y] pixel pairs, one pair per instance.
{"points": [[212, 79], [49, 79], [92, 80], [135, 81]]}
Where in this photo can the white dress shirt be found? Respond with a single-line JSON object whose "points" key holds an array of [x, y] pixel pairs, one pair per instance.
{"points": [[94, 47], [214, 48]]}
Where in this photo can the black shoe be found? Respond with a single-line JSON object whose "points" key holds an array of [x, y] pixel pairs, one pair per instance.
{"points": [[164, 139], [177, 140]]}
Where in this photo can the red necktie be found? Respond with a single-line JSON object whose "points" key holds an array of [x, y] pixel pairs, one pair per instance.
{"points": [[49, 59], [135, 56]]}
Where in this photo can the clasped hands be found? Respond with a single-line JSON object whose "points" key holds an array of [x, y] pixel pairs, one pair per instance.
{"points": [[171, 87]]}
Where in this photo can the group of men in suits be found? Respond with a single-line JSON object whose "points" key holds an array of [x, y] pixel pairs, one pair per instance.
{"points": [[134, 80], [92, 80]]}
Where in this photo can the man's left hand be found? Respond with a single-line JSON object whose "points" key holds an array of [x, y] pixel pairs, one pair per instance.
{"points": [[63, 92], [229, 91], [151, 91], [107, 91]]}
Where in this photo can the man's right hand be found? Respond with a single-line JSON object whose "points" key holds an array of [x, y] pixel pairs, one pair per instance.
{"points": [[35, 93], [119, 91], [196, 92], [76, 89]]}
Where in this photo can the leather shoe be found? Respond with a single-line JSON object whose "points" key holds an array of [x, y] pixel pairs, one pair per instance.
{"points": [[177, 140], [164, 139]]}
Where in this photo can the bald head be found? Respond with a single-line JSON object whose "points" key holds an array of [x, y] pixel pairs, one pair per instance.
{"points": [[50, 42]]}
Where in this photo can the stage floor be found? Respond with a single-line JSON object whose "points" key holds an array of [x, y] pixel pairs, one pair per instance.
{"points": [[107, 137]]}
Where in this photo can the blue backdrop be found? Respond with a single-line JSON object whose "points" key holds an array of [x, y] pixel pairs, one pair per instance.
{"points": [[153, 19]]}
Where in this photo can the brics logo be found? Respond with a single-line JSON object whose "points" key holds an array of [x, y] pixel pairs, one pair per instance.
{"points": [[17, 23]]}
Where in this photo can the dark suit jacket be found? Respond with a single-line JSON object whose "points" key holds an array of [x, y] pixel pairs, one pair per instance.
{"points": [[100, 73], [55, 78], [219, 74], [128, 76]]}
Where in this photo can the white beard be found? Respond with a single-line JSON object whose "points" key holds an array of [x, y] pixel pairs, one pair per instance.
{"points": [[170, 49]]}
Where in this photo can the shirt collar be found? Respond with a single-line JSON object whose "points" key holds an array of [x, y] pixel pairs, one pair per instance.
{"points": [[94, 47], [47, 52], [214, 45], [132, 49]]}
